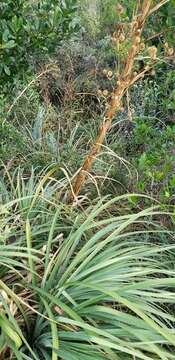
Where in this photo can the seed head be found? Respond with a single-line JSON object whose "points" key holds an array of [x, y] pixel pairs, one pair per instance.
{"points": [[142, 46], [105, 71], [105, 93], [138, 32], [114, 39], [122, 37], [170, 51], [138, 39], [152, 52], [110, 73]]}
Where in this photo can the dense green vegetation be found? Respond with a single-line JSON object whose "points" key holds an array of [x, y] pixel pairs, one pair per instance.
{"points": [[30, 30], [91, 275]]}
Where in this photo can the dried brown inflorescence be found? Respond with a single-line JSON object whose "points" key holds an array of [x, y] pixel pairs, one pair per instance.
{"points": [[127, 78]]}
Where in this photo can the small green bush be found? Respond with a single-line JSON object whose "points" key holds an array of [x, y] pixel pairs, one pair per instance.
{"points": [[28, 30]]}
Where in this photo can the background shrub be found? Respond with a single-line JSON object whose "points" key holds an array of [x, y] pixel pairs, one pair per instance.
{"points": [[28, 30]]}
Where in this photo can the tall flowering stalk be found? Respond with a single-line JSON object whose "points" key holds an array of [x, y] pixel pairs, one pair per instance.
{"points": [[126, 79]]}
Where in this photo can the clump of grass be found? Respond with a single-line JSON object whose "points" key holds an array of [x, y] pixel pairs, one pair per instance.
{"points": [[89, 285]]}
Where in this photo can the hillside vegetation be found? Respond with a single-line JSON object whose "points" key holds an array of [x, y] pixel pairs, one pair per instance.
{"points": [[87, 186]]}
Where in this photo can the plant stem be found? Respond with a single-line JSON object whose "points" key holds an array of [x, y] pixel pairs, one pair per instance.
{"points": [[126, 80]]}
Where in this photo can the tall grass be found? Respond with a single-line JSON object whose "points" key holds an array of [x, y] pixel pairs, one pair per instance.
{"points": [[83, 285]]}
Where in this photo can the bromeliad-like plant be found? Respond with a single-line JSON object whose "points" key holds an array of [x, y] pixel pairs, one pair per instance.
{"points": [[130, 39], [99, 290]]}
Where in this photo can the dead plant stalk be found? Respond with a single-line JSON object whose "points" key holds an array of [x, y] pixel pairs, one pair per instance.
{"points": [[127, 78]]}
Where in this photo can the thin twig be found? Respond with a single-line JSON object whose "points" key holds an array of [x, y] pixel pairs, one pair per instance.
{"points": [[27, 87], [160, 33], [158, 6]]}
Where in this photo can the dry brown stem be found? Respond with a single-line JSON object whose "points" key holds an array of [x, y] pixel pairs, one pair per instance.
{"points": [[126, 80], [158, 6]]}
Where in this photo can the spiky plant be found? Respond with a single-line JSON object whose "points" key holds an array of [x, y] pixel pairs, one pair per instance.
{"points": [[102, 288]]}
